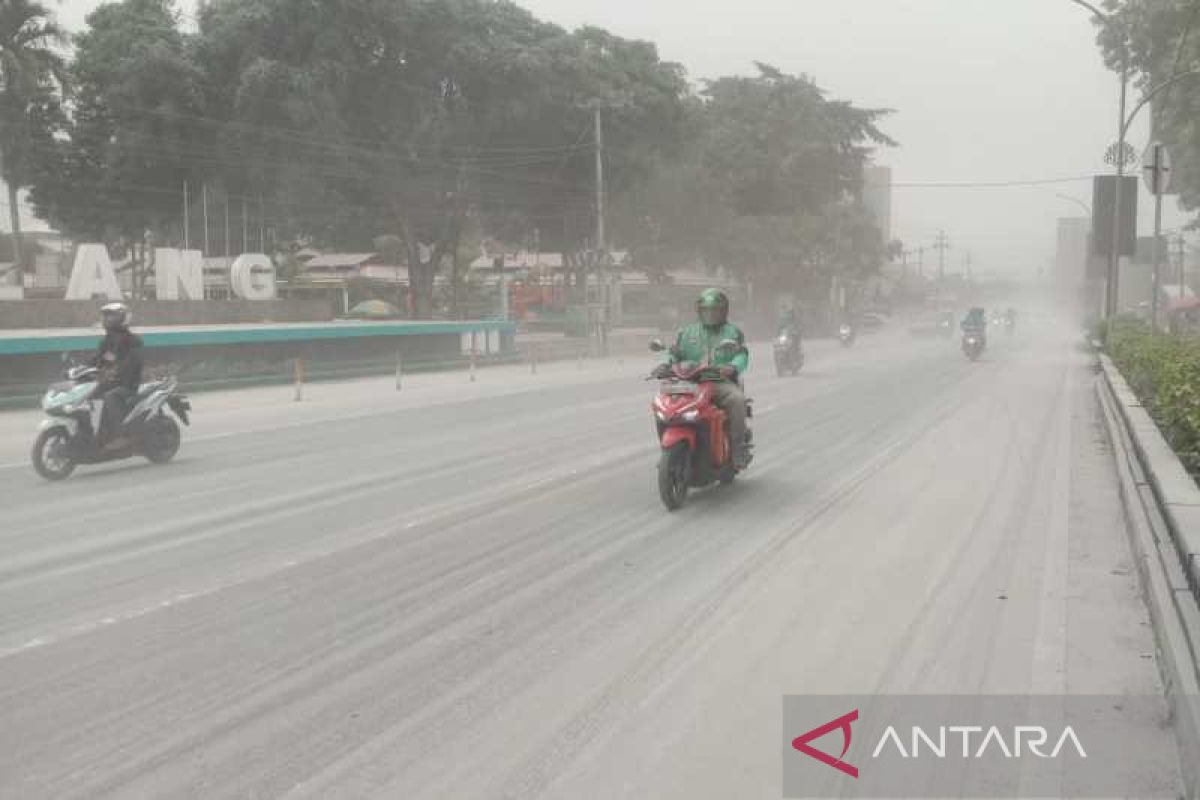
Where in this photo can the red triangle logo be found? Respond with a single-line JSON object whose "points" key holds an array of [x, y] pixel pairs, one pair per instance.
{"points": [[802, 743]]}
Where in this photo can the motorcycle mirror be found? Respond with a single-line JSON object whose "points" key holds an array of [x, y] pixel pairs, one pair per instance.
{"points": [[656, 346]]}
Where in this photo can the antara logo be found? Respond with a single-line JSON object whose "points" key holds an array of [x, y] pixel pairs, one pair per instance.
{"points": [[1019, 741], [1033, 736], [844, 722]]}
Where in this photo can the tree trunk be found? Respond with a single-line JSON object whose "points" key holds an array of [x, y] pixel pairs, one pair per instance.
{"points": [[420, 275], [455, 268], [14, 215]]}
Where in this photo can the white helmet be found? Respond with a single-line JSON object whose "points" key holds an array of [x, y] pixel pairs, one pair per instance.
{"points": [[116, 317]]}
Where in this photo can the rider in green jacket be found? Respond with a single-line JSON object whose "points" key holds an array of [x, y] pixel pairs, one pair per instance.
{"points": [[699, 342]]}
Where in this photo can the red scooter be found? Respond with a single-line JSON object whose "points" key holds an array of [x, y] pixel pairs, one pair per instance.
{"points": [[692, 431]]}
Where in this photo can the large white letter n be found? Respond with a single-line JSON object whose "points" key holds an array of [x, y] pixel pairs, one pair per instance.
{"points": [[178, 274]]}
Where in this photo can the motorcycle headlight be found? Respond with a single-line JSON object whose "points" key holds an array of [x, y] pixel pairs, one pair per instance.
{"points": [[690, 416], [782, 339]]}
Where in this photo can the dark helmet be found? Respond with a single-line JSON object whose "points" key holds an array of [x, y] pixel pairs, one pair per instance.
{"points": [[116, 317], [713, 308]]}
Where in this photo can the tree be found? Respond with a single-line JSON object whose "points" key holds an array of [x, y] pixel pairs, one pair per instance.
{"points": [[768, 184], [1162, 38], [31, 75], [407, 119]]}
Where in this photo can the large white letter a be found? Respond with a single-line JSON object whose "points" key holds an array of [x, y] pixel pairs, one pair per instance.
{"points": [[93, 275]]}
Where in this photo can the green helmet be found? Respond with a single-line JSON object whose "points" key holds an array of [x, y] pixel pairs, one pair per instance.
{"points": [[713, 308]]}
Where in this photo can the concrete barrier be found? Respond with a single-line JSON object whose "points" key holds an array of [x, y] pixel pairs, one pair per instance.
{"points": [[245, 354], [1175, 491], [1160, 502]]}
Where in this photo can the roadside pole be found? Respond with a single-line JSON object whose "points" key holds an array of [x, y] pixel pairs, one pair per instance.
{"points": [[1156, 168], [299, 379], [1182, 257]]}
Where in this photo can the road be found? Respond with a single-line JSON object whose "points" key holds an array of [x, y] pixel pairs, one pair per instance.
{"points": [[471, 590]]}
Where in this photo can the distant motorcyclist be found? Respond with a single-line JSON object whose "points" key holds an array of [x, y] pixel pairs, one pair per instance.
{"points": [[700, 342], [1010, 318], [119, 359], [789, 326], [975, 322], [789, 320]]}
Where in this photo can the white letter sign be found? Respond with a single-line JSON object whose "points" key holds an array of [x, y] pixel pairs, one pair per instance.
{"points": [[93, 275], [178, 274], [252, 277]]}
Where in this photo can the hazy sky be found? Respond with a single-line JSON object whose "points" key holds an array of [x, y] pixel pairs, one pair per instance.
{"points": [[984, 90]]}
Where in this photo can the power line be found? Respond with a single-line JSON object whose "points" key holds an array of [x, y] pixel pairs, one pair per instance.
{"points": [[989, 184]]}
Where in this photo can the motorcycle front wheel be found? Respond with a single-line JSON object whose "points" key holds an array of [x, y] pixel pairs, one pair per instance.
{"points": [[673, 475], [52, 454], [162, 440]]}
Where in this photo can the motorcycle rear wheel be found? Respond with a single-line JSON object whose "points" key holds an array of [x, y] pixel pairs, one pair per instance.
{"points": [[52, 454], [673, 475]]}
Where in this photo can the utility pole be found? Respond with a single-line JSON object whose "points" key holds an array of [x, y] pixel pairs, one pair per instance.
{"points": [[186, 240], [942, 244], [600, 240], [226, 227], [1114, 258], [204, 201], [245, 225], [1181, 254]]}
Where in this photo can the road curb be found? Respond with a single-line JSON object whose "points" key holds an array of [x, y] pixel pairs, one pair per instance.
{"points": [[1166, 588], [1177, 494]]}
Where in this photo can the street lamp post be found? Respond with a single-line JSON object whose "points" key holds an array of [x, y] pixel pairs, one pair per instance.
{"points": [[1123, 123], [1114, 259]]}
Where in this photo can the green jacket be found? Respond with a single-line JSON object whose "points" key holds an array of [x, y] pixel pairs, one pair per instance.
{"points": [[696, 343]]}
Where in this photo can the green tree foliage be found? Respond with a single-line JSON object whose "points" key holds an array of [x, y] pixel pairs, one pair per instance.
{"points": [[767, 184], [1161, 38], [130, 143], [434, 123], [1164, 372], [32, 74]]}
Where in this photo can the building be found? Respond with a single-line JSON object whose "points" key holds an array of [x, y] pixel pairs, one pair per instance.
{"points": [[1072, 253]]}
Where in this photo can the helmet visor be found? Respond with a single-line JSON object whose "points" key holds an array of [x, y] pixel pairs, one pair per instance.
{"points": [[712, 315]]}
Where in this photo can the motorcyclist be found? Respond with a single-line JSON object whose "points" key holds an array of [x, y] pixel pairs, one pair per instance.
{"points": [[119, 359], [1010, 318], [700, 342], [789, 326], [975, 322]]}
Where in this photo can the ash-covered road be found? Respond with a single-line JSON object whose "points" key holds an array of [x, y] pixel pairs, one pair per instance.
{"points": [[472, 590]]}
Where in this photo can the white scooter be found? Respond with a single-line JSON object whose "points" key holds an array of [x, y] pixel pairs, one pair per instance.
{"points": [[67, 436]]}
